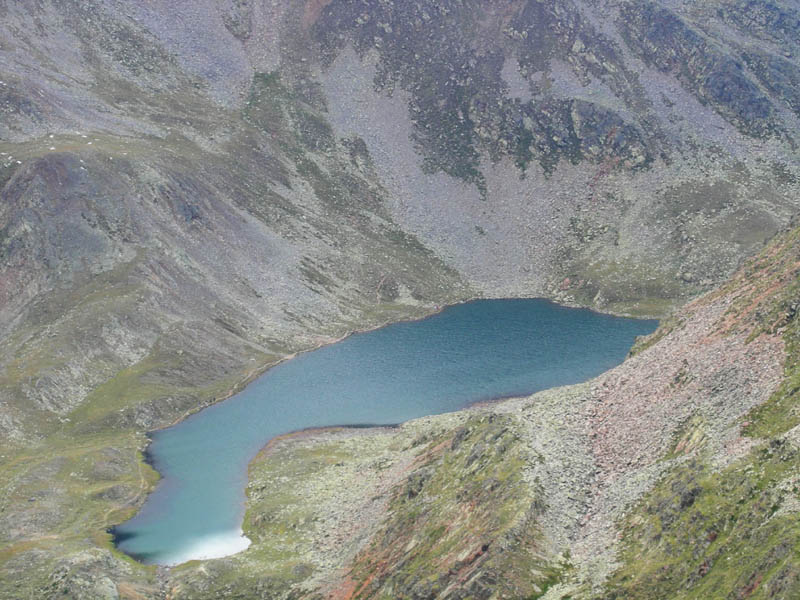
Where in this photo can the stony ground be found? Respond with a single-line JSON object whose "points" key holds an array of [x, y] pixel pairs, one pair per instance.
{"points": [[190, 194], [576, 492]]}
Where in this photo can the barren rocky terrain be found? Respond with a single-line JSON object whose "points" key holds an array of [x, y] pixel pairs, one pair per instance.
{"points": [[617, 488], [192, 191]]}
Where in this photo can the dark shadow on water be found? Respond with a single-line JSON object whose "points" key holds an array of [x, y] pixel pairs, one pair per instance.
{"points": [[147, 453]]}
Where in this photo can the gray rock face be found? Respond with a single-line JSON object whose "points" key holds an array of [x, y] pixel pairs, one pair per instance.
{"points": [[192, 191]]}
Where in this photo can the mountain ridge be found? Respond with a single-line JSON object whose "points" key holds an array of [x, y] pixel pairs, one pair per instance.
{"points": [[192, 192]]}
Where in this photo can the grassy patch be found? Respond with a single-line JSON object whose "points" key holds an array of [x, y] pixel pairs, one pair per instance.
{"points": [[61, 502], [734, 533], [624, 287], [706, 535], [665, 327], [771, 305], [464, 517]]}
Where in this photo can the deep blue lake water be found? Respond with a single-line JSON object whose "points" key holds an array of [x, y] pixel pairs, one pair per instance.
{"points": [[467, 353]]}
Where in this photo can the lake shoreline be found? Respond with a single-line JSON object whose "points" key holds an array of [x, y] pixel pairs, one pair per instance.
{"points": [[496, 336]]}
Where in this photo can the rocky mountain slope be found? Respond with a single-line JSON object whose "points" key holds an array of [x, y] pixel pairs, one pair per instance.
{"points": [[192, 191], [672, 476]]}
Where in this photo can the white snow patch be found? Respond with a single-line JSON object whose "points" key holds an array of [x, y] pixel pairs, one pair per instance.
{"points": [[211, 546]]}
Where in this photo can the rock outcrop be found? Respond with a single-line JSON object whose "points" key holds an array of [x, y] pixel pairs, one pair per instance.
{"points": [[192, 191], [650, 481]]}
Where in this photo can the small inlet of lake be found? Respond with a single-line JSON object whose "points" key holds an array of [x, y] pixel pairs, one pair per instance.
{"points": [[470, 352]]}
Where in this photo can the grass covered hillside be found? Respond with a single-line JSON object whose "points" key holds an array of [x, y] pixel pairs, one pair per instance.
{"points": [[672, 476], [191, 192]]}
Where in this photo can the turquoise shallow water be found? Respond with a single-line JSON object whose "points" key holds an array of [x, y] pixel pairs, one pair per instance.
{"points": [[470, 352]]}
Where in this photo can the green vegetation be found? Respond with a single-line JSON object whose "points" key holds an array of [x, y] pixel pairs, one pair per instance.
{"points": [[107, 345], [464, 516], [275, 108], [63, 502], [733, 533], [703, 535], [458, 99], [280, 522], [778, 272], [624, 287], [665, 327]]}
